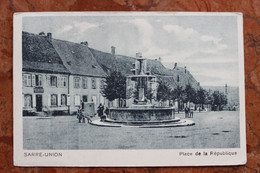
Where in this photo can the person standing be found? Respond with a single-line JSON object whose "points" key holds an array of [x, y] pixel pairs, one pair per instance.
{"points": [[186, 110], [100, 110]]}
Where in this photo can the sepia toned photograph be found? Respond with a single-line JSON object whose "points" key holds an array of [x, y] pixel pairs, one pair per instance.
{"points": [[113, 83]]}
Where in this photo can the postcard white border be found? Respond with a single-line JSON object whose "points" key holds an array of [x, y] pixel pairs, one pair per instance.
{"points": [[127, 158]]}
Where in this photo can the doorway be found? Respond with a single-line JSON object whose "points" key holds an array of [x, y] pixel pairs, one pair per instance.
{"points": [[85, 98], [39, 103]]}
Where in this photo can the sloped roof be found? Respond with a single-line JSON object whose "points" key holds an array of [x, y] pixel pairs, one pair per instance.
{"points": [[122, 63], [77, 58], [60, 56], [39, 55], [105, 60]]}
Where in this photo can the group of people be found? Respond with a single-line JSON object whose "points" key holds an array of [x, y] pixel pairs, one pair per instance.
{"points": [[188, 112], [81, 116], [100, 111]]}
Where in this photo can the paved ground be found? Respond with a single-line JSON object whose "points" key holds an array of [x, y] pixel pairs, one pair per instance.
{"points": [[212, 130]]}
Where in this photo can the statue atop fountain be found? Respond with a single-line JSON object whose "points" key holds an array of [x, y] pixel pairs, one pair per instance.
{"points": [[142, 79]]}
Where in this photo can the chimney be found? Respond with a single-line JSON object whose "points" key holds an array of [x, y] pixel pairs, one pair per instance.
{"points": [[138, 54], [49, 36], [185, 69], [84, 43], [42, 34], [160, 59], [175, 65], [113, 50]]}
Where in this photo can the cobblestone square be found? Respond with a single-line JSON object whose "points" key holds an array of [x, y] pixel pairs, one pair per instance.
{"points": [[211, 130]]}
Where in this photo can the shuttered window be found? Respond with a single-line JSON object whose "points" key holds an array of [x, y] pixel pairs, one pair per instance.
{"points": [[27, 80], [76, 82], [33, 80], [53, 80], [63, 99], [54, 100], [27, 100], [63, 81], [84, 83], [94, 84], [77, 100]]}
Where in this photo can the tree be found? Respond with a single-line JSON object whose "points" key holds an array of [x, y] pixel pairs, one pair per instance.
{"points": [[177, 93], [219, 99], [201, 97], [114, 87], [190, 94], [163, 92]]}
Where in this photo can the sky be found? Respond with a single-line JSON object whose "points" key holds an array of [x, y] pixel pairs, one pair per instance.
{"points": [[206, 45]]}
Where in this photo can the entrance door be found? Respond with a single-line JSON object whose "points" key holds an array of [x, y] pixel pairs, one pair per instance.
{"points": [[39, 103], [85, 98]]}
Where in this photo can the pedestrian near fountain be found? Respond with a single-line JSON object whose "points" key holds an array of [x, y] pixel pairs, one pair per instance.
{"points": [[100, 110], [88, 118], [80, 114], [186, 110], [82, 105], [191, 112]]}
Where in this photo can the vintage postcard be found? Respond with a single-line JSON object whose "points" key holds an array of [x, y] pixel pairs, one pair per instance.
{"points": [[128, 89]]}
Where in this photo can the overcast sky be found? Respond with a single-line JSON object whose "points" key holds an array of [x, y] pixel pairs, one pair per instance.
{"points": [[207, 45]]}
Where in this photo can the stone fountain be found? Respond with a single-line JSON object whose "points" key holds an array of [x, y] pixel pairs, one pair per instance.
{"points": [[142, 113]]}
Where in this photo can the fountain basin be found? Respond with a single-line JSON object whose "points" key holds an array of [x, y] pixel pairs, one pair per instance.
{"points": [[141, 114], [163, 124]]}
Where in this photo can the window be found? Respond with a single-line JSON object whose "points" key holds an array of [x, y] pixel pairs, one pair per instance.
{"points": [[27, 100], [94, 85], [63, 100], [54, 100], [27, 80], [101, 85], [63, 81], [53, 81], [37, 80], [76, 82], [85, 83], [33, 80], [77, 100]]}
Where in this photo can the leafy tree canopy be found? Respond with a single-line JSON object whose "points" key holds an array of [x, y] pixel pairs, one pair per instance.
{"points": [[114, 86], [163, 92]]}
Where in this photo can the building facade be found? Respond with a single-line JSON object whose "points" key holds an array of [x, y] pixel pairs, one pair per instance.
{"points": [[58, 76], [45, 92], [86, 89]]}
